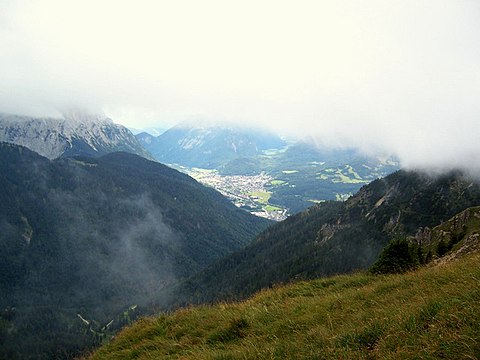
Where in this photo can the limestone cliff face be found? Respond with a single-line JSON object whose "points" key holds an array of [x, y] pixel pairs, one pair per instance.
{"points": [[460, 235], [74, 134]]}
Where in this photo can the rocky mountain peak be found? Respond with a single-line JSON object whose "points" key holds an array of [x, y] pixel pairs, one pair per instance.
{"points": [[76, 133], [79, 117]]}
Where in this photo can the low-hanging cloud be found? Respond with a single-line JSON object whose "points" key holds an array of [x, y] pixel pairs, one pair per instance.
{"points": [[131, 251], [401, 77]]}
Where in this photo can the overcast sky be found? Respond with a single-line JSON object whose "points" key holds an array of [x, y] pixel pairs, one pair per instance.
{"points": [[398, 76]]}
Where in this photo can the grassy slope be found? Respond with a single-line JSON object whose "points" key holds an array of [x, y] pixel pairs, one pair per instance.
{"points": [[428, 314]]}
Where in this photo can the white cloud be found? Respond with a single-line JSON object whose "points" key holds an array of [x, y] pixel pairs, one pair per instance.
{"points": [[401, 76]]}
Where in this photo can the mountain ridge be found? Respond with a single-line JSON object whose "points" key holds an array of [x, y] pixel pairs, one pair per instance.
{"points": [[74, 134], [333, 237], [207, 146], [96, 236]]}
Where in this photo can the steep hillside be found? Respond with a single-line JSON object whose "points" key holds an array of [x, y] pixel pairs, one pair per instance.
{"points": [[433, 313], [450, 240], [94, 236], [74, 134], [453, 238], [334, 237]]}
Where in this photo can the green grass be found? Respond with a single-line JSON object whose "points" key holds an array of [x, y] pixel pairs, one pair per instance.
{"points": [[353, 172], [433, 313], [337, 176], [263, 196], [342, 178], [272, 208]]}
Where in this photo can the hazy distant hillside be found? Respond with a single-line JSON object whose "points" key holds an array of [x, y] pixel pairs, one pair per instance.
{"points": [[299, 174], [306, 174], [153, 131], [335, 237], [75, 134], [208, 146], [294, 178], [145, 139], [94, 236]]}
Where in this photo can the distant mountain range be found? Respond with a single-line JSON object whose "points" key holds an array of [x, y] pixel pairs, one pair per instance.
{"points": [[152, 131], [89, 237], [335, 237], [95, 236], [88, 234], [301, 173], [207, 146], [74, 134]]}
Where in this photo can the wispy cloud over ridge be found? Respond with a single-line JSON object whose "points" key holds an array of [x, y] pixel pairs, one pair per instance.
{"points": [[397, 76]]}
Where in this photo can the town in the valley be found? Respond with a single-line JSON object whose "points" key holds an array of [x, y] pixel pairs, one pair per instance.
{"points": [[248, 192]]}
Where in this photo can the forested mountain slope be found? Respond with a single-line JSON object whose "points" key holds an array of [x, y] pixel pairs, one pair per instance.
{"points": [[334, 237], [95, 236]]}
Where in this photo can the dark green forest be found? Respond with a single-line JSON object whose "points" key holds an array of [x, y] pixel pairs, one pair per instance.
{"points": [[333, 237], [89, 244], [86, 244]]}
